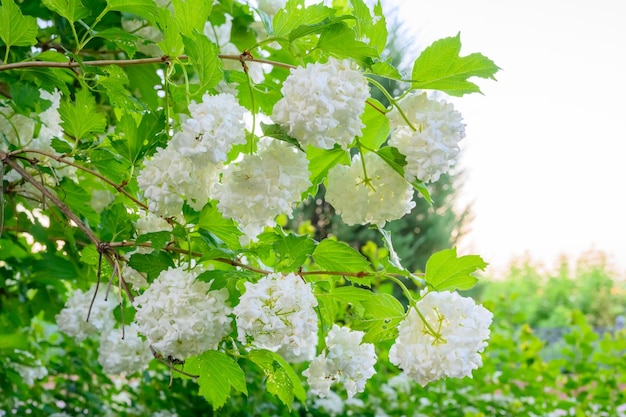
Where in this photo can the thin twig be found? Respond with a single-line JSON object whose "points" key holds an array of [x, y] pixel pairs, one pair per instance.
{"points": [[93, 299], [118, 187], [50, 196]]}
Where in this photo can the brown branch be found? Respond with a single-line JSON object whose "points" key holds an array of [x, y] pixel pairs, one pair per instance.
{"points": [[170, 248], [7, 159], [126, 62], [103, 248], [119, 188]]}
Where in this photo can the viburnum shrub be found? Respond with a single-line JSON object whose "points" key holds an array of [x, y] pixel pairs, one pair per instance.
{"points": [[146, 168]]}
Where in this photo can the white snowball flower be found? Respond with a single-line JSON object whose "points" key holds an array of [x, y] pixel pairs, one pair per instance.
{"points": [[322, 104], [169, 178], [433, 148], [31, 372], [180, 316], [277, 313], [261, 186], [332, 404], [388, 198], [151, 223], [215, 125], [50, 119], [129, 355], [72, 319], [345, 360], [161, 180], [462, 327], [16, 128], [100, 199]]}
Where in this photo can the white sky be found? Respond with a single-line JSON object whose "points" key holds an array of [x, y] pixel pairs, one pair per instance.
{"points": [[546, 145]]}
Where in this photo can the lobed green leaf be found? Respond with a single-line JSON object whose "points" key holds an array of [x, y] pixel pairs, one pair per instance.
{"points": [[218, 375], [72, 10], [331, 255], [203, 57], [81, 117], [292, 252], [281, 379], [340, 41], [447, 272], [15, 28], [142, 8], [439, 67]]}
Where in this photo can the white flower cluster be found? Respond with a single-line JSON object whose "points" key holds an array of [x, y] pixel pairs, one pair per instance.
{"points": [[180, 316], [433, 148], [462, 328], [345, 360], [72, 319], [29, 373], [261, 186], [151, 223], [182, 171], [129, 355], [322, 104], [278, 314], [387, 197], [214, 127]]}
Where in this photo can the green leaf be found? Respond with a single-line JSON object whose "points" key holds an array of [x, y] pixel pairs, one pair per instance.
{"points": [[172, 43], [292, 252], [158, 240], [218, 374], [322, 160], [225, 229], [127, 42], [203, 57], [90, 255], [142, 8], [447, 272], [115, 224], [331, 255], [376, 126], [339, 41], [15, 28], [305, 30], [72, 10], [383, 313], [263, 96], [281, 379], [191, 15], [277, 132], [81, 117], [54, 267], [439, 67], [25, 95], [151, 263], [387, 70], [73, 195], [60, 146], [114, 81], [397, 161], [295, 14], [351, 295], [374, 28]]}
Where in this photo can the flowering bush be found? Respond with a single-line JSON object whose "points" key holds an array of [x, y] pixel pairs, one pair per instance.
{"points": [[167, 179]]}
